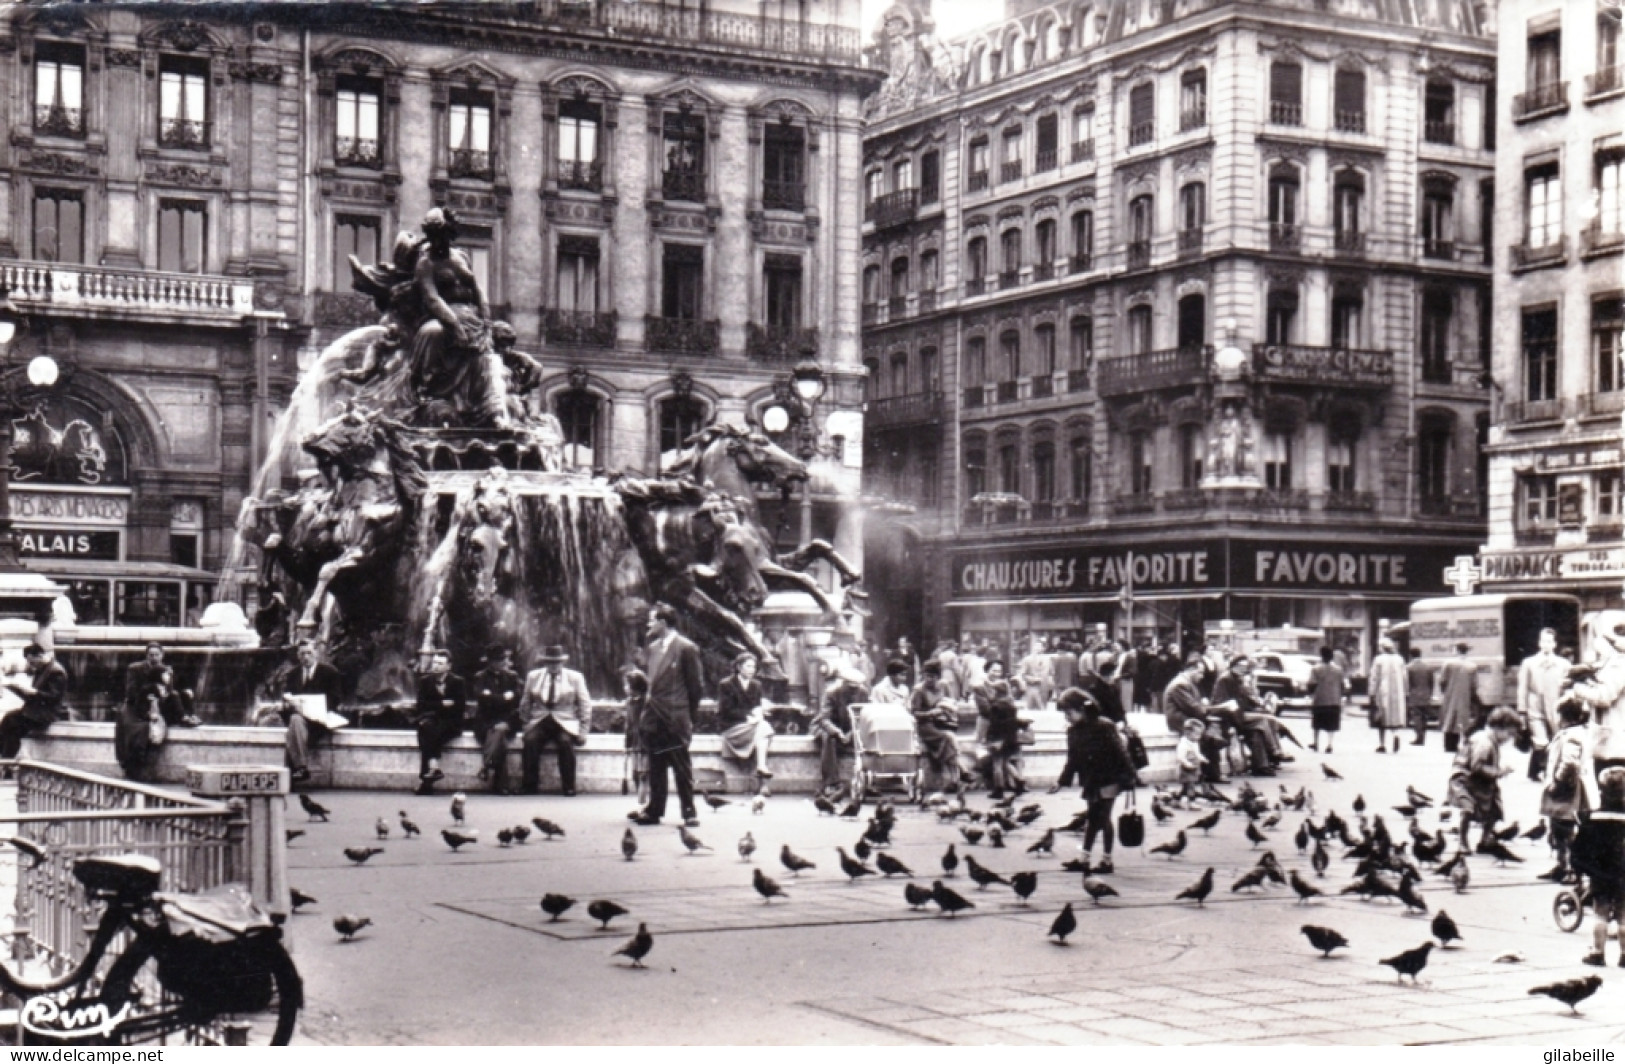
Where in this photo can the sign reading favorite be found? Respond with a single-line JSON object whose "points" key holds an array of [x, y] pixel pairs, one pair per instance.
{"points": [[1210, 565]]}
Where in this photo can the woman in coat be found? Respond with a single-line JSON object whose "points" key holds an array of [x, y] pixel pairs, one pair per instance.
{"points": [[935, 720], [1387, 690], [741, 717]]}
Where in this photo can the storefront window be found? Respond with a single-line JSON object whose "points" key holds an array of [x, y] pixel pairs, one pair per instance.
{"points": [[89, 599], [149, 602]]}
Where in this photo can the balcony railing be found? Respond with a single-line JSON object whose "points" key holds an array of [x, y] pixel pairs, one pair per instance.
{"points": [[1007, 392], [1042, 386], [1439, 131], [584, 175], [682, 336], [1185, 499], [669, 24], [1078, 380], [1348, 243], [897, 307], [896, 410], [1190, 241], [871, 313], [1009, 278], [777, 343], [1139, 254], [1282, 499], [1437, 368], [683, 184], [972, 396], [1286, 113], [977, 182], [1349, 121], [1594, 240], [928, 300], [1043, 271], [1193, 117], [1433, 248], [1351, 501], [1134, 503], [784, 195], [183, 133], [1285, 236], [930, 194], [1323, 366], [1540, 100], [59, 121], [1044, 161], [1525, 257], [1528, 411], [135, 293], [1604, 81], [1080, 263], [895, 208], [470, 162], [357, 151], [1043, 510], [1083, 150], [1602, 404], [1170, 368], [975, 286], [583, 328], [1010, 171], [1141, 133]]}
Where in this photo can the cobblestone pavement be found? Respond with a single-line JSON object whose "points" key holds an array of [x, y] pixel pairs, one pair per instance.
{"points": [[461, 952]]}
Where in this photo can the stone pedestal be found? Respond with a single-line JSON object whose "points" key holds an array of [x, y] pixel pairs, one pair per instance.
{"points": [[262, 790]]}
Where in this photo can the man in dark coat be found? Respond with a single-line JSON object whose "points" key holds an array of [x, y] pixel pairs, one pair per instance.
{"points": [[152, 674], [497, 688], [672, 664], [310, 676], [442, 699], [42, 700]]}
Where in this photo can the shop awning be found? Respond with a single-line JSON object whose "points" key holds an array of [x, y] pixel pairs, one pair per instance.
{"points": [[104, 570]]}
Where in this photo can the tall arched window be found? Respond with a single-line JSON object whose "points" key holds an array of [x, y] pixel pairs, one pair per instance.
{"points": [[1284, 186], [577, 411]]}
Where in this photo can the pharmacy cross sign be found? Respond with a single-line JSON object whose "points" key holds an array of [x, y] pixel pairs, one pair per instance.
{"points": [[1464, 575]]}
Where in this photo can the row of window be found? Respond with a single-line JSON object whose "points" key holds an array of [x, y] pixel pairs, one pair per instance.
{"points": [[184, 121], [1540, 500], [1545, 91], [1540, 342]]}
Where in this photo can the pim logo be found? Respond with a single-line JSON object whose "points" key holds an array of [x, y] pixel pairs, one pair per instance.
{"points": [[58, 1016]]}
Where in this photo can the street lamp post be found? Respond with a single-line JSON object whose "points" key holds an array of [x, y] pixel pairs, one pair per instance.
{"points": [[41, 373], [795, 405]]}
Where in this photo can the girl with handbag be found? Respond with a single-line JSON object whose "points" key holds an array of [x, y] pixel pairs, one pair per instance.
{"points": [[1104, 770]]}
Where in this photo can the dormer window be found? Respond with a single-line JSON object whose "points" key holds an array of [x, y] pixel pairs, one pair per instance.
{"points": [[357, 140], [183, 102], [470, 135], [59, 89]]}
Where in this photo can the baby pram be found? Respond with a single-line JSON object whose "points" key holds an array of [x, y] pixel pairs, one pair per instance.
{"points": [[884, 749]]}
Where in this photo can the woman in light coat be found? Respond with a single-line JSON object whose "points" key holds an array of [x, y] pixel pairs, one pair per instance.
{"points": [[1387, 689]]}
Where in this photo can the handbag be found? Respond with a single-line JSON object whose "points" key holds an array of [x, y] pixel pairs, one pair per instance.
{"points": [[157, 731], [1130, 824], [1138, 756]]}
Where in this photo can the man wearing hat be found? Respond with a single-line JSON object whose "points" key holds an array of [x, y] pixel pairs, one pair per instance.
{"points": [[556, 709], [309, 676], [497, 689]]}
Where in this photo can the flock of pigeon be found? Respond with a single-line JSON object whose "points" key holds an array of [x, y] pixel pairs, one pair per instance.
{"points": [[1386, 867]]}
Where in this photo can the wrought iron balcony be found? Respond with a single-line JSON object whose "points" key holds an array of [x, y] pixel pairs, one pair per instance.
{"points": [[1043, 271], [1281, 499], [1083, 150], [1351, 501], [1139, 254], [1134, 503], [1010, 171], [1080, 262], [682, 335], [1193, 117], [1141, 133], [1434, 248], [587, 175], [1348, 243], [1285, 236], [1439, 131], [1042, 386], [1286, 113], [894, 208], [59, 121], [183, 133], [358, 151], [470, 162], [661, 24], [1170, 368], [972, 396], [975, 286], [1525, 257], [1323, 366], [774, 343], [1007, 392], [977, 182], [1009, 278], [928, 300], [1185, 499], [1595, 241], [896, 307], [1078, 380], [930, 194], [1604, 81], [922, 408], [683, 184], [784, 195], [1044, 161], [583, 328], [1437, 368], [1540, 100], [1349, 121]]}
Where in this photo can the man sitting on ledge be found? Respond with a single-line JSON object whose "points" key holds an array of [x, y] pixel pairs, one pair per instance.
{"points": [[42, 700], [312, 676], [555, 706]]}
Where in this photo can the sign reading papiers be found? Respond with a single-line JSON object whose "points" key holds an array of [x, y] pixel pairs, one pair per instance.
{"points": [[1214, 565]]}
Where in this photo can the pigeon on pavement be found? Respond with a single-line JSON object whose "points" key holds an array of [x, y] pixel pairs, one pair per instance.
{"points": [[1066, 922], [1302, 887], [1411, 962], [1098, 888], [690, 840], [949, 901], [950, 861], [1172, 849], [983, 877], [637, 947], [459, 804], [795, 863], [348, 925], [547, 827], [891, 866], [854, 870], [1324, 939], [1024, 883], [1329, 772], [1445, 930], [299, 898], [1570, 991], [917, 896], [359, 854], [458, 839], [604, 911], [747, 846], [629, 844], [381, 828], [768, 888], [1199, 890], [314, 810], [408, 827], [556, 905]]}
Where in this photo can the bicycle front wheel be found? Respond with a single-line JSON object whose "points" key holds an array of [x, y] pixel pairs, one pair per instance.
{"points": [[1567, 911]]}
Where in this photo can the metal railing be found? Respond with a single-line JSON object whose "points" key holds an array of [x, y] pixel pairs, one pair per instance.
{"points": [[357, 151], [1193, 117], [735, 31], [894, 208], [59, 121], [1346, 242], [1042, 386], [1542, 99], [975, 286], [683, 184], [1007, 391], [784, 195], [585, 328], [1044, 161], [1169, 368], [919, 408], [1139, 254], [100, 288], [1078, 263], [470, 162], [584, 174], [1043, 271], [682, 335], [1608, 79], [1079, 380], [1141, 133], [1009, 278], [972, 396], [1602, 404], [1285, 236], [1439, 131], [1190, 241], [777, 343], [896, 307], [1523, 411], [1349, 122], [1594, 240], [1083, 150], [183, 133], [928, 300], [1351, 501], [1010, 171], [1438, 249], [1286, 113], [977, 182]]}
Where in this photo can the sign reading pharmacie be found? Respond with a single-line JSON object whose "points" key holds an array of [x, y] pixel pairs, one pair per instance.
{"points": [[1066, 570], [1529, 565]]}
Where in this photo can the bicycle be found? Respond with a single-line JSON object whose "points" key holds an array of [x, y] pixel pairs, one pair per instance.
{"points": [[1569, 907], [217, 956]]}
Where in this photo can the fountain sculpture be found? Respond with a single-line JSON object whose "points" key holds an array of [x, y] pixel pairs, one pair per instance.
{"points": [[438, 511]]}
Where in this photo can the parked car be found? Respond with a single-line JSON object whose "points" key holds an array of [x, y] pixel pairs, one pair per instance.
{"points": [[1286, 676]]}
